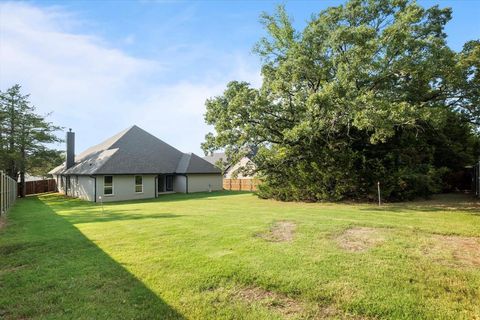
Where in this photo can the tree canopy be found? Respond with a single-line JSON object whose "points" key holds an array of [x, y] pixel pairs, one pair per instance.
{"points": [[366, 92]]}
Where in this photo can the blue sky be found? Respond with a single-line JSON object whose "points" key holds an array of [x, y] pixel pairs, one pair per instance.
{"points": [[102, 66]]}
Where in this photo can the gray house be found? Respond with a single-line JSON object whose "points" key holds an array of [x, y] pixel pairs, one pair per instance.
{"points": [[133, 164]]}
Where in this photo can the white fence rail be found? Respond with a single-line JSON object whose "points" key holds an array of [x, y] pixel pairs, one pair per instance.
{"points": [[8, 192]]}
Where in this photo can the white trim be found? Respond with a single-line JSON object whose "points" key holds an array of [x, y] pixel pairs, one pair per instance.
{"points": [[113, 189]]}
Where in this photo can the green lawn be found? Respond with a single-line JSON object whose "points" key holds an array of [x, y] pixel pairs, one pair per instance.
{"points": [[222, 256]]}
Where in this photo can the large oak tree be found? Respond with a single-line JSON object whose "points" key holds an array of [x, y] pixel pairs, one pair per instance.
{"points": [[352, 99]]}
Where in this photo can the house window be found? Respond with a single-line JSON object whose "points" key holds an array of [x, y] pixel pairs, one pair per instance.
{"points": [[138, 184], [108, 185]]}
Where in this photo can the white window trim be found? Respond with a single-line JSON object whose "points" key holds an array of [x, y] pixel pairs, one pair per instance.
{"points": [[113, 188], [136, 185]]}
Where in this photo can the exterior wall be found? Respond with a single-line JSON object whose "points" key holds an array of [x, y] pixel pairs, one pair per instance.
{"points": [[60, 183], [82, 187], [180, 184], [229, 174], [199, 182], [85, 188], [124, 188]]}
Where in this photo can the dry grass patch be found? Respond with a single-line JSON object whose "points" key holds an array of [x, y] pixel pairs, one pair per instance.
{"points": [[281, 231], [274, 301], [289, 307], [455, 250], [331, 312], [360, 239]]}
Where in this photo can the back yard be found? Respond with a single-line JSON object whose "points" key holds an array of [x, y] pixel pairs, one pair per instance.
{"points": [[234, 256]]}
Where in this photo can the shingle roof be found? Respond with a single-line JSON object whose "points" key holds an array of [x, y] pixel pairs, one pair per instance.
{"points": [[134, 151], [191, 163]]}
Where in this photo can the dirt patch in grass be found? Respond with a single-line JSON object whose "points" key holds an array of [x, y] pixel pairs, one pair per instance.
{"points": [[359, 239], [455, 250], [281, 231], [276, 302], [331, 312], [289, 307]]}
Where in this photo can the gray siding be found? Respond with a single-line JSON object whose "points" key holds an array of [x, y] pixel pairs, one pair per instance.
{"points": [[124, 188], [60, 183], [85, 188], [202, 182], [82, 187], [180, 184]]}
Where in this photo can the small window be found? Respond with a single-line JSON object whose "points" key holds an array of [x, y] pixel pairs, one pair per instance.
{"points": [[138, 184], [108, 185]]}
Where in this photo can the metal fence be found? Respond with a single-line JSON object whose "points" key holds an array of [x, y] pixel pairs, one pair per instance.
{"points": [[8, 192]]}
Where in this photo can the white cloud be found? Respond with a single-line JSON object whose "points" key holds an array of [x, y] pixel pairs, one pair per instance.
{"points": [[99, 90]]}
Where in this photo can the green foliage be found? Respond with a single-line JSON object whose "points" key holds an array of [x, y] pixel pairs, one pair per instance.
{"points": [[361, 95], [23, 135]]}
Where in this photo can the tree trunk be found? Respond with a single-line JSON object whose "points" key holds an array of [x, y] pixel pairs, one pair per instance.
{"points": [[23, 185], [22, 175]]}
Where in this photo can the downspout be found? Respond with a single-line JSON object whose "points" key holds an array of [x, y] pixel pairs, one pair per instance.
{"points": [[186, 183], [94, 188]]}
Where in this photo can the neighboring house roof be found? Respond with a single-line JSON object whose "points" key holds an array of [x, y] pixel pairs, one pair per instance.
{"points": [[214, 158], [135, 151], [230, 169]]}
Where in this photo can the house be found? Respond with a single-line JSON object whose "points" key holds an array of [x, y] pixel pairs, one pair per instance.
{"points": [[133, 164], [231, 171]]}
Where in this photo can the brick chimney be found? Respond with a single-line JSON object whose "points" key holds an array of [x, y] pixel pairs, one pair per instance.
{"points": [[70, 149]]}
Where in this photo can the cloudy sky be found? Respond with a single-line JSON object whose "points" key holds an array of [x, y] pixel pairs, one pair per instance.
{"points": [[102, 66]]}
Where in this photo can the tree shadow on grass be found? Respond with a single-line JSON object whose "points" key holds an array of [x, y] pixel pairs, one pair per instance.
{"points": [[49, 269]]}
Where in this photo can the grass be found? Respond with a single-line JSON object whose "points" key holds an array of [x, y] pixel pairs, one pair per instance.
{"points": [[205, 256]]}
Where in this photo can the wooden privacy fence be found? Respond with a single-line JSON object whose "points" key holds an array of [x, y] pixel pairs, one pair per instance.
{"points": [[39, 186], [241, 184], [8, 192]]}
